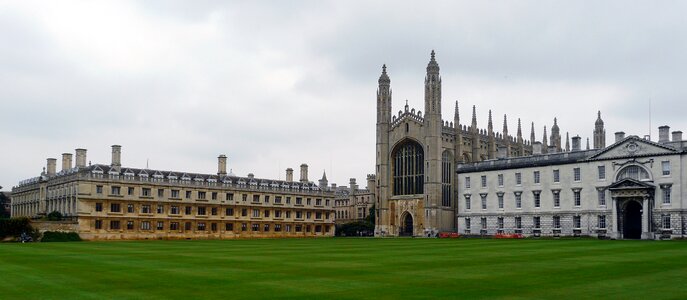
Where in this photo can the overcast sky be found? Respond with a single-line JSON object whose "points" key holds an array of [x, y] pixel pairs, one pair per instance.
{"points": [[273, 84]]}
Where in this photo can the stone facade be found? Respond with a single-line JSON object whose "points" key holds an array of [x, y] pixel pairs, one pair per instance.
{"points": [[116, 202], [353, 204], [416, 156], [631, 189]]}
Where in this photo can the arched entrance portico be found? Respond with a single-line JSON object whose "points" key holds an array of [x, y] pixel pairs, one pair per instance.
{"points": [[632, 220], [406, 225], [631, 203]]}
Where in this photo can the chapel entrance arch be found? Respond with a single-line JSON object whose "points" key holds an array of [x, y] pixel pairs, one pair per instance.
{"points": [[406, 225]]}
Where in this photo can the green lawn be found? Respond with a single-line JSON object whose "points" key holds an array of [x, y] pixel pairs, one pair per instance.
{"points": [[346, 268]]}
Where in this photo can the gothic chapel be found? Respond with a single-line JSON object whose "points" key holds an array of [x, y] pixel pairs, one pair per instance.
{"points": [[417, 154]]}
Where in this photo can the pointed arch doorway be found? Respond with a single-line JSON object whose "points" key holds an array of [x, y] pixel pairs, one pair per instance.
{"points": [[406, 225]]}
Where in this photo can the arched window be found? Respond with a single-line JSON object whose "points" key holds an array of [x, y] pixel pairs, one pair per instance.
{"points": [[446, 173], [408, 168], [634, 172]]}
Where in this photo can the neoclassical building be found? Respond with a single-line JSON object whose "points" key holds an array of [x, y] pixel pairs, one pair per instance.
{"points": [[110, 201], [631, 189], [416, 157]]}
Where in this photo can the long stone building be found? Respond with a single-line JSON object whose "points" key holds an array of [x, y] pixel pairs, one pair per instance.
{"points": [[116, 202]]}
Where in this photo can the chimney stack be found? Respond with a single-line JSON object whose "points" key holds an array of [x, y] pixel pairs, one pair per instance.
{"points": [[352, 185], [304, 173], [536, 148], [80, 158], [619, 136], [677, 136], [663, 134], [116, 157], [501, 154], [52, 166], [222, 165], [552, 149], [289, 175], [576, 143], [66, 161]]}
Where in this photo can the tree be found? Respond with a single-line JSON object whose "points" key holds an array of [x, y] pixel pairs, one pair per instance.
{"points": [[371, 216], [3, 200]]}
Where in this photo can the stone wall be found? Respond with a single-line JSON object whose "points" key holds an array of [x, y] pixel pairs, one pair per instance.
{"points": [[61, 226]]}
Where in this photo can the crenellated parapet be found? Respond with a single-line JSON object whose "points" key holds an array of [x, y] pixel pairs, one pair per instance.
{"points": [[407, 114]]}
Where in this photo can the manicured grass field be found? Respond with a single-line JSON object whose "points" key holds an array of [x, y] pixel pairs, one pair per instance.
{"points": [[346, 268]]}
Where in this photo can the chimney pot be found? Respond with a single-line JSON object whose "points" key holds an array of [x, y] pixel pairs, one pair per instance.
{"points": [[663, 134], [80, 158], [536, 148], [222, 165], [304, 173], [619, 136], [66, 161], [116, 157], [576, 143], [677, 136], [289, 175], [52, 166]]}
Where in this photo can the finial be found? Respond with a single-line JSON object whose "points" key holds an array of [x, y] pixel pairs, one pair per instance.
{"points": [[555, 121], [432, 54], [599, 114], [587, 143], [456, 115], [384, 69], [406, 107]]}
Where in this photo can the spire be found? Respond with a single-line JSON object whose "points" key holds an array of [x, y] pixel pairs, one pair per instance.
{"points": [[544, 143], [567, 142], [474, 118], [532, 138], [519, 132], [324, 175], [505, 126], [456, 115], [384, 78], [490, 126]]}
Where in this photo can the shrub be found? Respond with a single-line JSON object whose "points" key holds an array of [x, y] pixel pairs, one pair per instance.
{"points": [[57, 236], [55, 216], [355, 229]]}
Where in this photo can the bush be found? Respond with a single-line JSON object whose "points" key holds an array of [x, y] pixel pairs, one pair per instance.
{"points": [[355, 229], [55, 216], [56, 236], [15, 227]]}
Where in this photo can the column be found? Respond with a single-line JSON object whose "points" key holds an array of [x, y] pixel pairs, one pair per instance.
{"points": [[615, 218], [645, 218]]}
